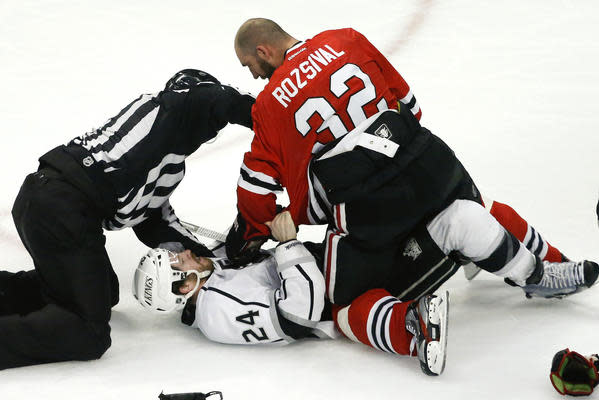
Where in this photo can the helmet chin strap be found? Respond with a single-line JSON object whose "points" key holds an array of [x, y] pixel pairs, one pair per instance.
{"points": [[200, 276], [203, 274]]}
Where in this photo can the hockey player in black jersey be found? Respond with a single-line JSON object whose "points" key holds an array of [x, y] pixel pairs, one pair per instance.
{"points": [[120, 175], [403, 214]]}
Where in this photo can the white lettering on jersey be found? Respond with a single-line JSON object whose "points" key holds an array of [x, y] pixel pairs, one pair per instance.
{"points": [[298, 80], [290, 87], [307, 69], [280, 96], [296, 54]]}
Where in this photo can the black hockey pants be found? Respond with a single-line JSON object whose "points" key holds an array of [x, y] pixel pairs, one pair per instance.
{"points": [[60, 311], [380, 204]]}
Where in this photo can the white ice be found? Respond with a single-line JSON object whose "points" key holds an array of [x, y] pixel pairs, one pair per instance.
{"points": [[511, 85]]}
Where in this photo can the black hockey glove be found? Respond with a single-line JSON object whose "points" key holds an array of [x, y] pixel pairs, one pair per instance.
{"points": [[239, 110], [239, 250], [573, 374], [214, 395], [188, 316], [200, 250]]}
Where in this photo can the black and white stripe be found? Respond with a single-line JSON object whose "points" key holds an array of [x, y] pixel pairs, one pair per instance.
{"points": [[299, 300], [257, 182], [319, 208], [137, 159], [378, 324], [535, 243], [503, 254], [431, 280], [283, 288], [122, 133], [145, 175], [168, 215], [159, 184], [410, 101], [306, 316], [311, 290], [129, 167]]}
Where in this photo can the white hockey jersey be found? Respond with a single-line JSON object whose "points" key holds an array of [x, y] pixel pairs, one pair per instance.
{"points": [[263, 302]]}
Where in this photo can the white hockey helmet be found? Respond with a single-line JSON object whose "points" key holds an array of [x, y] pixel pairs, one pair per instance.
{"points": [[154, 281]]}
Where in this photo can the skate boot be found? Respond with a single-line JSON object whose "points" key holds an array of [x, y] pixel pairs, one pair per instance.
{"points": [[426, 319], [561, 279]]}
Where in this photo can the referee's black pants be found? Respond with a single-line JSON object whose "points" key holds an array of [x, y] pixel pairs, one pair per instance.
{"points": [[61, 310]]}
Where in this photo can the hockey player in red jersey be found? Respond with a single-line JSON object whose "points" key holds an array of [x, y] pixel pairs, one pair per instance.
{"points": [[319, 90], [308, 115]]}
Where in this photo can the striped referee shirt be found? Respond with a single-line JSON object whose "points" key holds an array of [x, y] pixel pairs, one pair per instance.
{"points": [[139, 154]]}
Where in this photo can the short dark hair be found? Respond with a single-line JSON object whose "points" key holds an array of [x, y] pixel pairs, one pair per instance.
{"points": [[257, 31]]}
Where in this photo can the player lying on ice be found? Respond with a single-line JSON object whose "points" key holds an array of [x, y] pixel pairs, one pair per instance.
{"points": [[276, 299], [403, 213], [281, 298]]}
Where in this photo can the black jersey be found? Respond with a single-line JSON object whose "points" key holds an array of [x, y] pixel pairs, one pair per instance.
{"points": [[133, 163]]}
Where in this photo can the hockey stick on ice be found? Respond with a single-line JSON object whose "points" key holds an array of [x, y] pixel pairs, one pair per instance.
{"points": [[205, 232]]}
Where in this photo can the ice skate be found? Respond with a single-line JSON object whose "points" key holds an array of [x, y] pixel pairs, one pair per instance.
{"points": [[426, 319], [563, 279]]}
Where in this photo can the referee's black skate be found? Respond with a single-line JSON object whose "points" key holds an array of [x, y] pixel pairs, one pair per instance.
{"points": [[562, 279], [426, 319]]}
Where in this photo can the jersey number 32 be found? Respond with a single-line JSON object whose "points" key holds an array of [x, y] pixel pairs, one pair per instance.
{"points": [[338, 87]]}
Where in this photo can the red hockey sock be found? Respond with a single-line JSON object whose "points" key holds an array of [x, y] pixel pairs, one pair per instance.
{"points": [[376, 319], [524, 232]]}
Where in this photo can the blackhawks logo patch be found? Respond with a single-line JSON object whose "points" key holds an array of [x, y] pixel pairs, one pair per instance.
{"points": [[412, 249]]}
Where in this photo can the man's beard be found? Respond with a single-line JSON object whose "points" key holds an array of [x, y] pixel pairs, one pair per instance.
{"points": [[266, 67]]}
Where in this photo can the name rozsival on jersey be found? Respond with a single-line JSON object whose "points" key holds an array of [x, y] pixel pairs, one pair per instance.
{"points": [[308, 69]]}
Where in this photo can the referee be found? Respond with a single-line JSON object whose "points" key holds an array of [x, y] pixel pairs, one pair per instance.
{"points": [[120, 175]]}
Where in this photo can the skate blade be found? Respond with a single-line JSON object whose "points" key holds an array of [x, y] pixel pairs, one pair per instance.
{"points": [[438, 349]]}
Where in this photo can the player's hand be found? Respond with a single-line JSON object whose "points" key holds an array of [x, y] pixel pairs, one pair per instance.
{"points": [[282, 227], [242, 251], [574, 374]]}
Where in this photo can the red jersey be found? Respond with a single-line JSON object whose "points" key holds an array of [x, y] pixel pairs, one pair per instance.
{"points": [[325, 87]]}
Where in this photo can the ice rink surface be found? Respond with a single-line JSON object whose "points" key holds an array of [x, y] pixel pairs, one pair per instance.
{"points": [[511, 85]]}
